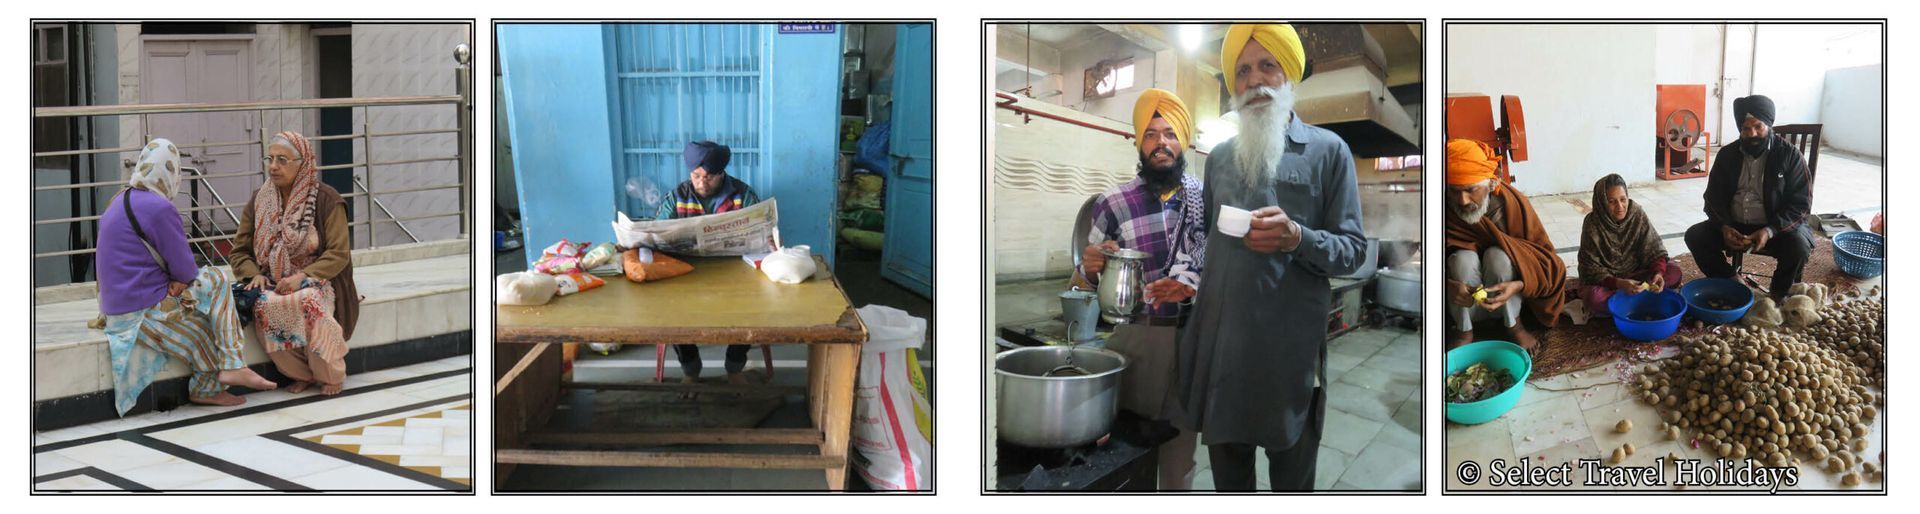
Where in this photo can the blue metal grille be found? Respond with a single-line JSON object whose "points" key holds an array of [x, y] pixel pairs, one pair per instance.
{"points": [[676, 83]]}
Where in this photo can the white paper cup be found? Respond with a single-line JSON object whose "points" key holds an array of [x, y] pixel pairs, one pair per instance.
{"points": [[1234, 221]]}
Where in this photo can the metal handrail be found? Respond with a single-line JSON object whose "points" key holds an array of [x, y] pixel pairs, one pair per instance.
{"points": [[362, 181]]}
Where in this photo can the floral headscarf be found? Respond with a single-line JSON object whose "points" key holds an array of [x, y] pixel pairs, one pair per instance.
{"points": [[158, 170]]}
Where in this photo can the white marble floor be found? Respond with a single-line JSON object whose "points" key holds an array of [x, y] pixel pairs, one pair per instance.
{"points": [[265, 444]]}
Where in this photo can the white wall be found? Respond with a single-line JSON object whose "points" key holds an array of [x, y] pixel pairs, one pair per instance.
{"points": [[1043, 170], [1790, 63], [1588, 92], [1850, 109]]}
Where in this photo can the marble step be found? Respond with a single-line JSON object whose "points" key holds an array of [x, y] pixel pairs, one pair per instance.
{"points": [[406, 299]]}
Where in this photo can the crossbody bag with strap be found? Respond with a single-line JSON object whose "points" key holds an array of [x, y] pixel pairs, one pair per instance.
{"points": [[126, 204]]}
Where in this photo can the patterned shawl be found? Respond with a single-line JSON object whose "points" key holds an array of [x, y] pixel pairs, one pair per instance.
{"points": [[1609, 247], [284, 236]]}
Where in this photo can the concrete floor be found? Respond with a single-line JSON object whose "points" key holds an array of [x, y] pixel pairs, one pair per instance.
{"points": [[1571, 417]]}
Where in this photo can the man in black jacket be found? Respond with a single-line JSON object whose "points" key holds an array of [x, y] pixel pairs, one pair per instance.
{"points": [[1758, 195]]}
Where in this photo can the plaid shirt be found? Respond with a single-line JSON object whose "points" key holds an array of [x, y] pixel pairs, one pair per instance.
{"points": [[1172, 233]]}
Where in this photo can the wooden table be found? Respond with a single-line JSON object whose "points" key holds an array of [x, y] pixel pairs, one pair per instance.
{"points": [[724, 301]]}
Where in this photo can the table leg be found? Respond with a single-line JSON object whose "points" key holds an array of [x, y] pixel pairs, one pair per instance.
{"points": [[831, 369]]}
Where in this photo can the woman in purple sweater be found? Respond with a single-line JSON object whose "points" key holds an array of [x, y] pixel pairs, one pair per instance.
{"points": [[157, 301]]}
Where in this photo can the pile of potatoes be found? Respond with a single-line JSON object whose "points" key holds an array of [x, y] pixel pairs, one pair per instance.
{"points": [[1764, 394], [1853, 330]]}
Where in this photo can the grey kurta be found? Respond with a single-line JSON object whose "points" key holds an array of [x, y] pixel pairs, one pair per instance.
{"points": [[1256, 342]]}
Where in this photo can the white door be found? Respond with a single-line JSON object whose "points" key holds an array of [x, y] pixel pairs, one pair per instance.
{"points": [[206, 71], [1736, 79]]}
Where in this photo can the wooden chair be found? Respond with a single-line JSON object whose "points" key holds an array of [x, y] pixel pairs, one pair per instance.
{"points": [[1806, 138]]}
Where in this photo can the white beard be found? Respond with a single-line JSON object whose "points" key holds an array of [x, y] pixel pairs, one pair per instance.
{"points": [[1263, 133], [1472, 215]]}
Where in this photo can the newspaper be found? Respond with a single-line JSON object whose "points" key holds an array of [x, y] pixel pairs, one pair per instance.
{"points": [[754, 229]]}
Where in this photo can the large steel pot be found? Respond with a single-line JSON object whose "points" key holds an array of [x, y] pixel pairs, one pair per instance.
{"points": [[1039, 411], [1122, 284], [1369, 261], [1398, 288]]}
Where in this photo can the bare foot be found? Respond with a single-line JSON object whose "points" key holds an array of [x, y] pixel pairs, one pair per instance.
{"points": [[331, 389], [245, 377], [1524, 338], [299, 387], [224, 399], [737, 378], [689, 380], [1460, 340]]}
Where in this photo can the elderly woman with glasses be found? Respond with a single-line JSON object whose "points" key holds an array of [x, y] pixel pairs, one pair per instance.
{"points": [[294, 247]]}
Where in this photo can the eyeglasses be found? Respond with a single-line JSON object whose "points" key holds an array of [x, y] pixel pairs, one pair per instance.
{"points": [[281, 159]]}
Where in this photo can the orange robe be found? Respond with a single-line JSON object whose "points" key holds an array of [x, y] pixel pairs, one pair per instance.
{"points": [[1541, 271]]}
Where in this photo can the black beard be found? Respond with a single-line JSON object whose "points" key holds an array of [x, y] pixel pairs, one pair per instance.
{"points": [[1163, 176], [1753, 147]]}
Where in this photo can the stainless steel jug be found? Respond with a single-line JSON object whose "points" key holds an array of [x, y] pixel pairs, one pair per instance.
{"points": [[1122, 284]]}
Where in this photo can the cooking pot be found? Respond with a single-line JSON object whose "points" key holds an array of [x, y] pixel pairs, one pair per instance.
{"points": [[1369, 261], [1040, 411], [1122, 284], [1398, 288]]}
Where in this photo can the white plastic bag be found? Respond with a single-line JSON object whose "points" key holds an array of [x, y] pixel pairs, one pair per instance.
{"points": [[892, 421], [790, 265], [524, 288]]}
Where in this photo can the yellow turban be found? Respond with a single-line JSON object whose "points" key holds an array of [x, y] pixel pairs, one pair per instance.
{"points": [[1470, 162], [1279, 39], [1169, 107]]}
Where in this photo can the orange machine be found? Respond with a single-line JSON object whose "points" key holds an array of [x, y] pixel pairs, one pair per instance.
{"points": [[1470, 116], [1679, 116]]}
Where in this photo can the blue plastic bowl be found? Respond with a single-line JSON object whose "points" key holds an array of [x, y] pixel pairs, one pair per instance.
{"points": [[1725, 290], [1647, 316], [1497, 354]]}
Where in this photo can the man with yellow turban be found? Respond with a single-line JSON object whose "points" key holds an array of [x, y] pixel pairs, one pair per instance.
{"points": [[1158, 212], [1253, 359], [1496, 245]]}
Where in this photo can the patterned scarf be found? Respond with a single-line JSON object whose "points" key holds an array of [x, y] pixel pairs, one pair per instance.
{"points": [[159, 168], [284, 235], [1610, 247], [285, 240]]}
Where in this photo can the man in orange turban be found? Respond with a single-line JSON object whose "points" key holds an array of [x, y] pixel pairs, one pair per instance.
{"points": [[1160, 213], [1253, 365], [1496, 244]]}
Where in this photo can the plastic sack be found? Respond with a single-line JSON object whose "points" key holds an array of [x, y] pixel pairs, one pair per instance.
{"points": [[790, 265], [892, 421], [561, 258], [599, 257], [576, 282], [871, 150], [604, 348], [643, 265], [524, 288]]}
